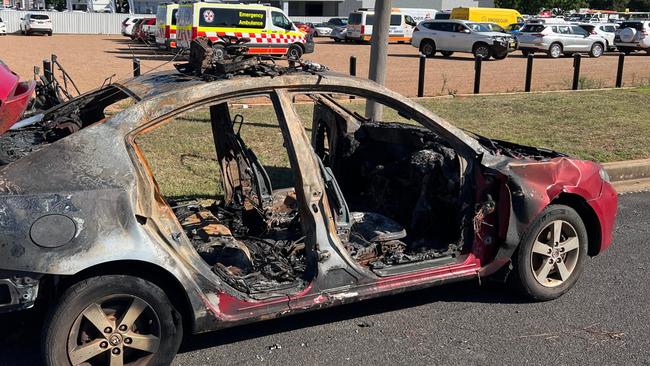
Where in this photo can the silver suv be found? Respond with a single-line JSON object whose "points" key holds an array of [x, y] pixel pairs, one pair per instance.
{"points": [[633, 36], [557, 39], [449, 36]]}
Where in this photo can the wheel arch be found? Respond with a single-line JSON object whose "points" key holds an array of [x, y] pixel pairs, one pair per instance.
{"points": [[140, 269], [588, 216]]}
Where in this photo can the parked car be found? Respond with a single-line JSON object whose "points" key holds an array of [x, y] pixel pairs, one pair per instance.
{"points": [[373, 208], [633, 36], [3, 28], [137, 29], [514, 28], [500, 16], [558, 39], [360, 24], [339, 34], [268, 29], [36, 23], [320, 29], [605, 30], [146, 30], [303, 27], [449, 36], [15, 96], [127, 26], [337, 22]]}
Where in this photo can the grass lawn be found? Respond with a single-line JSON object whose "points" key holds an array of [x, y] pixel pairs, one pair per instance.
{"points": [[601, 125]]}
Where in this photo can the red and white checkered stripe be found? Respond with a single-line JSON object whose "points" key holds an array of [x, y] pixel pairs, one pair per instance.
{"points": [[261, 38]]}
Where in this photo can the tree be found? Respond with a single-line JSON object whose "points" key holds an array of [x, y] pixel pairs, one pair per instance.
{"points": [[534, 6], [639, 5]]}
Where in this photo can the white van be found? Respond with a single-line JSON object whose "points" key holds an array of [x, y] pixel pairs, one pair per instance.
{"points": [[267, 29], [360, 26]]}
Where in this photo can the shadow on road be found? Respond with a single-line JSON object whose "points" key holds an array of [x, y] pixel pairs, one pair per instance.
{"points": [[20, 342]]}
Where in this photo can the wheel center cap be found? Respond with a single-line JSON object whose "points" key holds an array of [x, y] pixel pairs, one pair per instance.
{"points": [[555, 253], [115, 340]]}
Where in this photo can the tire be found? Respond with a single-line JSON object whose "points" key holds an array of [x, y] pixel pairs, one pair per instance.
{"points": [[294, 53], [500, 56], [337, 40], [482, 50], [526, 53], [555, 50], [597, 50], [428, 48], [219, 51], [100, 298], [49, 33], [447, 53], [538, 278], [626, 51]]}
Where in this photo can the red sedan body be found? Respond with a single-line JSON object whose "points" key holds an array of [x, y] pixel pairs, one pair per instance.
{"points": [[14, 97]]}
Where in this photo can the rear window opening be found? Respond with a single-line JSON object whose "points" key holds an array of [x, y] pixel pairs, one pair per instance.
{"points": [[354, 19], [39, 17]]}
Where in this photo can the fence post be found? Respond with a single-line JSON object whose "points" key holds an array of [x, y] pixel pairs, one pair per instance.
{"points": [[353, 66], [576, 70], [529, 73], [619, 71], [421, 72], [136, 67], [477, 74], [47, 70]]}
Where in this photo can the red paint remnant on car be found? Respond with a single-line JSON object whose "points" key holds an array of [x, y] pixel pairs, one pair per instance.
{"points": [[14, 97]]}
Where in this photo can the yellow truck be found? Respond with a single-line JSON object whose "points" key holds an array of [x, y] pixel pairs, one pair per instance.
{"points": [[502, 17]]}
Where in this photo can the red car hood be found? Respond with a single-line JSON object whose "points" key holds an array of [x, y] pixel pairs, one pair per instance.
{"points": [[14, 97]]}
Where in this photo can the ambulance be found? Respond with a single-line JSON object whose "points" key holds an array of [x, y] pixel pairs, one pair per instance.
{"points": [[268, 28], [360, 24], [166, 25]]}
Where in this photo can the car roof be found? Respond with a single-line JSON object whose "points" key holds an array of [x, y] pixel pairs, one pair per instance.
{"points": [[163, 92]]}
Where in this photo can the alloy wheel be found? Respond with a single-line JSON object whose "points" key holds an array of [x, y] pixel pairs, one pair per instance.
{"points": [[555, 253], [482, 51], [114, 331]]}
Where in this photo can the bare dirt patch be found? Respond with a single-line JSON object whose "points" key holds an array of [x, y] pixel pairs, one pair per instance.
{"points": [[90, 59]]}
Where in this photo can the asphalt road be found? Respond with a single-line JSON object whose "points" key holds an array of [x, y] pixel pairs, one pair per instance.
{"points": [[604, 320]]}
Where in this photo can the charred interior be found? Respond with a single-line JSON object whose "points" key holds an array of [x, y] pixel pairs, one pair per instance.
{"points": [[251, 237], [39, 130], [402, 184]]}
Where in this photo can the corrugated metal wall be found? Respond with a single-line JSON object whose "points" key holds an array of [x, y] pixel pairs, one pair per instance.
{"points": [[92, 23], [80, 23]]}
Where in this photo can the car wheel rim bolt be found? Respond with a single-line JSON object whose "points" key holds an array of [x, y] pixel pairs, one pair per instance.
{"points": [[123, 328], [116, 351], [108, 330]]}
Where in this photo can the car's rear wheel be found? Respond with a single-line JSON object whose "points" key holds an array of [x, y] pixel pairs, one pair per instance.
{"points": [[294, 52], [49, 33], [555, 50], [447, 53], [428, 48], [112, 320], [482, 50], [551, 256], [597, 50]]}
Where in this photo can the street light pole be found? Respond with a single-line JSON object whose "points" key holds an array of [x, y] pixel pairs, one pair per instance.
{"points": [[378, 53]]}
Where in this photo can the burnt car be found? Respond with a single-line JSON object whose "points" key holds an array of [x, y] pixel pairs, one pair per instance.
{"points": [[370, 208]]}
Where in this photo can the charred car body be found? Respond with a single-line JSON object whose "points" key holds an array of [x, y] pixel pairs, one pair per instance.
{"points": [[376, 208]]}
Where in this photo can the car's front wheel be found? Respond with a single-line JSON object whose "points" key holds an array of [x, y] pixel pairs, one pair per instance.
{"points": [[294, 52], [112, 320], [482, 50], [551, 256]]}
